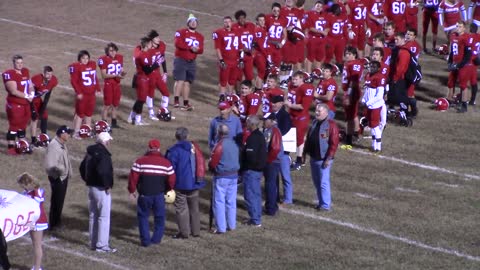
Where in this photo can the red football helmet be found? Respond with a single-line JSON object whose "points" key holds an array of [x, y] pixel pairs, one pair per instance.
{"points": [[296, 34], [22, 147], [272, 70], [43, 140], [101, 126], [443, 49], [307, 78], [336, 70], [85, 131], [316, 73], [232, 99], [441, 104]]}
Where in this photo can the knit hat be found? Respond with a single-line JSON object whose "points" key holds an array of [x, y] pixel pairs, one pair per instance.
{"points": [[154, 144], [191, 17], [64, 129]]}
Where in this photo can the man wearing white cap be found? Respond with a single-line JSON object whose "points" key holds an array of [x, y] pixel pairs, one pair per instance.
{"points": [[188, 44], [96, 170]]}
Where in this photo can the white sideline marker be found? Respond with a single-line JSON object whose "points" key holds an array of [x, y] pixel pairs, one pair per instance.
{"points": [[385, 235]]}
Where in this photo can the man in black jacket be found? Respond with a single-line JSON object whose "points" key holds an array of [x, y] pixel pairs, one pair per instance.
{"points": [[254, 159], [4, 263], [97, 171]]}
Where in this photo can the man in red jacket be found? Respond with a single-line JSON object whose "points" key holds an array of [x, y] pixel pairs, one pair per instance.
{"points": [[151, 176], [398, 68]]}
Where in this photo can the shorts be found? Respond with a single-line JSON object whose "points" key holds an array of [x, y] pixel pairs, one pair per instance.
{"points": [[18, 116], [40, 227], [301, 123], [467, 74], [373, 116], [430, 15], [184, 70], [143, 87], [276, 55], [359, 39], [156, 81], [293, 52], [260, 62], [335, 47], [112, 93], [37, 104], [351, 111], [316, 49], [85, 106], [229, 74]]}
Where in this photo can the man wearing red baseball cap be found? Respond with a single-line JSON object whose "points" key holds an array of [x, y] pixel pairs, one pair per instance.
{"points": [[229, 119]]}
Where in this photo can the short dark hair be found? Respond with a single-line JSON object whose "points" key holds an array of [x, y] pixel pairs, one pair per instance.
{"points": [[247, 83], [273, 76], [300, 3], [144, 41], [227, 18], [400, 35], [16, 57], [379, 49], [152, 34], [351, 50], [379, 36], [181, 133], [239, 14], [47, 69], [390, 23], [276, 4], [415, 32], [82, 53], [327, 66], [111, 45], [260, 15], [298, 73]]}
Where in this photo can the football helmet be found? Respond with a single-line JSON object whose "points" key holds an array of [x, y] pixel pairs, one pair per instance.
{"points": [[22, 147], [101, 126], [296, 34], [165, 116], [317, 73], [232, 99], [85, 131], [43, 140], [272, 69], [441, 104], [443, 49], [307, 78], [336, 70], [170, 196]]}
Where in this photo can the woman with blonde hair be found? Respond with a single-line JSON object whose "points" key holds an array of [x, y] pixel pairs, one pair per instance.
{"points": [[33, 190]]}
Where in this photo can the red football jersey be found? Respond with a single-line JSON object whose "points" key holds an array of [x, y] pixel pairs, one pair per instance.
{"points": [[395, 11], [275, 27], [267, 97], [293, 15], [23, 82], [41, 86], [474, 43], [358, 12], [246, 33], [185, 40], [414, 47], [113, 66], [158, 55], [452, 13], [316, 20], [376, 9], [249, 105], [338, 26], [84, 78], [387, 54], [143, 59], [301, 95], [260, 40], [352, 73], [412, 7], [475, 5], [229, 44], [325, 86], [373, 90], [457, 46], [384, 71]]}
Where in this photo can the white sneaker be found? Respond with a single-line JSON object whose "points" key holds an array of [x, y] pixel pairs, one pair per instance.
{"points": [[153, 118], [141, 123], [106, 250], [129, 120]]}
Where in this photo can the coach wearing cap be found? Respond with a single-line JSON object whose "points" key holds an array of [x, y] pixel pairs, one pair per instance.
{"points": [[230, 120], [151, 176], [59, 169]]}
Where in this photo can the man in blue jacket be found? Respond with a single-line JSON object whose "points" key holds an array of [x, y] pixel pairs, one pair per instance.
{"points": [[226, 117], [189, 166]]}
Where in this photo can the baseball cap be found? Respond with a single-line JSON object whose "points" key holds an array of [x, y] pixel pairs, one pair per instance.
{"points": [[223, 105], [64, 129], [104, 137], [154, 144], [270, 116], [191, 17], [276, 99]]}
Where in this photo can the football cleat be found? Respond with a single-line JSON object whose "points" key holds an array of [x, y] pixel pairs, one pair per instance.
{"points": [[101, 126], [441, 104], [22, 147], [42, 140], [85, 131]]}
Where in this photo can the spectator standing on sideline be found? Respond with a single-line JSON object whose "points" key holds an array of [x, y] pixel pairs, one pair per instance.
{"points": [[59, 170], [43, 83], [254, 159], [151, 176], [227, 118], [224, 163], [188, 44], [321, 145], [31, 187], [189, 166], [4, 262], [96, 170]]}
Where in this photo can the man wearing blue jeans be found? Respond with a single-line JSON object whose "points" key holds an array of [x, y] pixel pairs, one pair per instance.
{"points": [[321, 145], [224, 163], [254, 159], [151, 176]]}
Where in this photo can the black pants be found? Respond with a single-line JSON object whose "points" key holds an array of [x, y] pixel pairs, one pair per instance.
{"points": [[59, 189], [398, 94], [4, 263]]}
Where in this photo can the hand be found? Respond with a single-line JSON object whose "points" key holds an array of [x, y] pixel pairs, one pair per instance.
{"points": [[164, 77], [241, 64], [80, 96], [123, 74], [222, 64], [351, 34], [278, 45], [368, 33], [195, 49], [452, 67], [133, 196], [326, 163]]}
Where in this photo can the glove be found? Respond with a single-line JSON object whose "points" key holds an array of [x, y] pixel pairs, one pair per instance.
{"points": [[351, 34], [452, 67], [241, 64], [368, 33], [222, 64]]}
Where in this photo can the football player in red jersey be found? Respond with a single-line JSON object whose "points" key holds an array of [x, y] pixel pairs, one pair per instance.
{"points": [[460, 64], [352, 92], [293, 53], [277, 37], [246, 31], [337, 36], [188, 44], [228, 47], [317, 24], [412, 45], [357, 24], [389, 34], [474, 12], [373, 100], [84, 80], [327, 89], [379, 41], [158, 78], [20, 94], [395, 10], [375, 20], [474, 42], [430, 14], [449, 13], [411, 14], [249, 103], [43, 83], [299, 100], [271, 91], [111, 68], [262, 50]]}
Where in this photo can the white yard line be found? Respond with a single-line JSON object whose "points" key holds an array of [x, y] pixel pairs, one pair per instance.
{"points": [[446, 185], [407, 190], [195, 12], [420, 165], [365, 196], [384, 234]]}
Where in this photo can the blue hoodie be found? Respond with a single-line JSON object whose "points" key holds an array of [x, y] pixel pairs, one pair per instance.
{"points": [[180, 155]]}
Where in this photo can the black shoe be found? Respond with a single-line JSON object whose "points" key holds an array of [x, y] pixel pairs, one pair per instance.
{"points": [[115, 126], [179, 236]]}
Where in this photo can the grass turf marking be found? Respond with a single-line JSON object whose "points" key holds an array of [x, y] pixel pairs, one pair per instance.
{"points": [[174, 7]]}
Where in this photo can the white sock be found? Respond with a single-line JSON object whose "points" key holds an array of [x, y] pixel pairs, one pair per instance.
{"points": [[164, 104], [138, 118], [149, 102], [132, 115]]}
